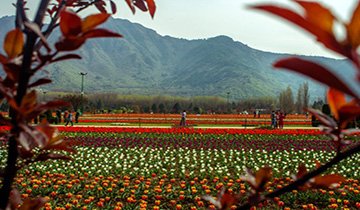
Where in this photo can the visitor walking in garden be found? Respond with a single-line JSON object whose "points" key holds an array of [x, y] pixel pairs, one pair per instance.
{"points": [[77, 115], [183, 118], [69, 119], [66, 113], [273, 119], [281, 120], [58, 116]]}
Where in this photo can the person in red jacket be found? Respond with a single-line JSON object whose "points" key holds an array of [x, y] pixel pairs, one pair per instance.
{"points": [[281, 120]]}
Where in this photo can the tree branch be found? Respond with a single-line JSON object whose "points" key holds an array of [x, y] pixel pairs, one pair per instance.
{"points": [[24, 77], [301, 181]]}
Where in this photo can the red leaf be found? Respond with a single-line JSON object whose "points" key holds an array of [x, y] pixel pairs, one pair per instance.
{"points": [[38, 82], [301, 170], [100, 33], [336, 99], [70, 23], [323, 36], [113, 7], [347, 113], [65, 57], [140, 4], [69, 44], [28, 102], [327, 181], [262, 176], [24, 141], [34, 137], [51, 156], [353, 28], [52, 105], [41, 108], [13, 43], [33, 204], [323, 118], [100, 5], [3, 59], [92, 21], [60, 146], [14, 198], [152, 7], [12, 71], [314, 71], [130, 4], [227, 200], [9, 97], [318, 15]]}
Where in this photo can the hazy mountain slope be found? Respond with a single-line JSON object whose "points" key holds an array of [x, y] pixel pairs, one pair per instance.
{"points": [[144, 62]]}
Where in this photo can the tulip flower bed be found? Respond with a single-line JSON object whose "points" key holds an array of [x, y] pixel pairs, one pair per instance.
{"points": [[206, 119], [152, 168]]}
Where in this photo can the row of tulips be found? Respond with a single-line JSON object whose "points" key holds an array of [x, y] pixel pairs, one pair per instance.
{"points": [[159, 191], [186, 130], [242, 122], [204, 143], [202, 116]]}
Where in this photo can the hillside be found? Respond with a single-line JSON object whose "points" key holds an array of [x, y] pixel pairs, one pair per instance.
{"points": [[144, 62]]}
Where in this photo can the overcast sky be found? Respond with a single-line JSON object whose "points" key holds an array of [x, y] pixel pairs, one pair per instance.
{"points": [[194, 19]]}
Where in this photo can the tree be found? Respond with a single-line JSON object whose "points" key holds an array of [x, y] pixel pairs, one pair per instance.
{"points": [[75, 100], [176, 108], [286, 100], [27, 51], [302, 98], [161, 108], [299, 105], [306, 96], [154, 108], [317, 104]]}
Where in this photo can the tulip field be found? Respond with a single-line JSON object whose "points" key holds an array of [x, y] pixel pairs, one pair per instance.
{"points": [[172, 168], [193, 119]]}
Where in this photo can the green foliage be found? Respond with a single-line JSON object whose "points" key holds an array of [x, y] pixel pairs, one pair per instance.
{"points": [[286, 100]]}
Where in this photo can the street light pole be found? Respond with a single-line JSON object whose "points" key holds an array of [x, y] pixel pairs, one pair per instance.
{"points": [[44, 94], [82, 91], [228, 102]]}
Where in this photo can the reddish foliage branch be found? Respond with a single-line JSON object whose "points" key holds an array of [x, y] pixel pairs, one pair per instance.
{"points": [[304, 179], [21, 62], [10, 169]]}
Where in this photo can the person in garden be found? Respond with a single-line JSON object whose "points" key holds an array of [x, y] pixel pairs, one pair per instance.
{"points": [[77, 115], [66, 113], [69, 119], [281, 120], [58, 116], [273, 119], [183, 118]]}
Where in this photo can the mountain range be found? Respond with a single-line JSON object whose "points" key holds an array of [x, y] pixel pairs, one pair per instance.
{"points": [[144, 62]]}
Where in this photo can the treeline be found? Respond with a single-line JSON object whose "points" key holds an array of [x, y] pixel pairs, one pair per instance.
{"points": [[115, 103]]}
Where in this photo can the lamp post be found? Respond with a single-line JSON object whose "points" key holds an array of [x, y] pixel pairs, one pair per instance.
{"points": [[228, 101], [82, 91], [44, 95]]}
